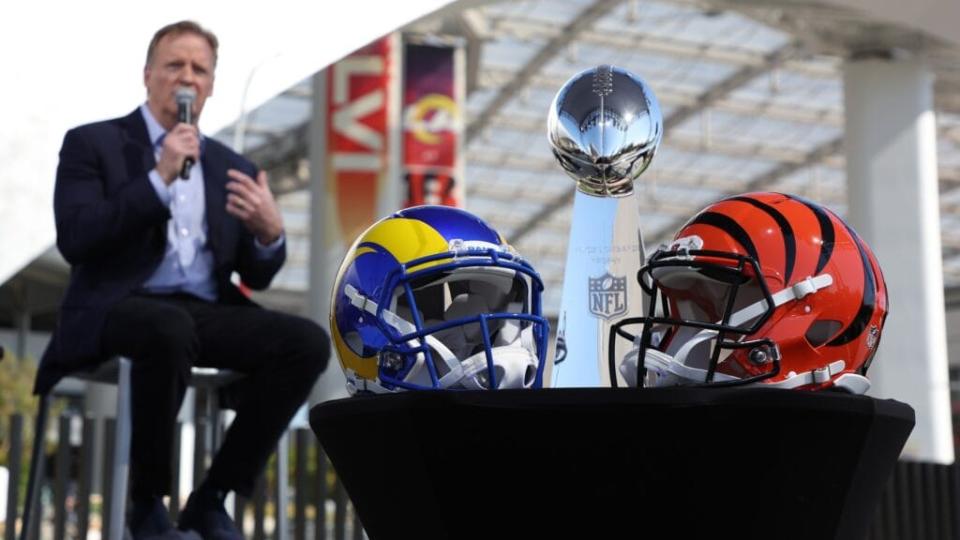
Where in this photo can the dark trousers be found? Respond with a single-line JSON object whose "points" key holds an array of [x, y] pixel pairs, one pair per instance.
{"points": [[282, 356]]}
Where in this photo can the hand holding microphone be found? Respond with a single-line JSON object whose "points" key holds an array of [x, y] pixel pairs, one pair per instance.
{"points": [[181, 145], [185, 97]]}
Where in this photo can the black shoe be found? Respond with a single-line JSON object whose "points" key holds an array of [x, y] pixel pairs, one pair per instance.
{"points": [[151, 522], [208, 518]]}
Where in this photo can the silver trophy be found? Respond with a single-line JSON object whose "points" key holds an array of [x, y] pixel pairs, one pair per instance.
{"points": [[604, 126]]}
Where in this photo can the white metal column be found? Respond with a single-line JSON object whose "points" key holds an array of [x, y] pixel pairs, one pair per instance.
{"points": [[323, 246], [891, 157]]}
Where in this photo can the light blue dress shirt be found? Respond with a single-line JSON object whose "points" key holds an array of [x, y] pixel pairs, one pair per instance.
{"points": [[187, 265]]}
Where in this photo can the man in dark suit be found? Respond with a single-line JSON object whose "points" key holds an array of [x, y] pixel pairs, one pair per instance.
{"points": [[152, 256]]}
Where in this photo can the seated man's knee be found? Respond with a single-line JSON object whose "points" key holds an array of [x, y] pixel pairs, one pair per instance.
{"points": [[311, 343], [176, 337]]}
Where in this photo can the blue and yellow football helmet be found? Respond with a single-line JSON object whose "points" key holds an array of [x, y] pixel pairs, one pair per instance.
{"points": [[432, 297]]}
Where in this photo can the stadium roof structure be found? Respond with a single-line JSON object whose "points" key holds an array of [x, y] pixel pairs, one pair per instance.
{"points": [[751, 92]]}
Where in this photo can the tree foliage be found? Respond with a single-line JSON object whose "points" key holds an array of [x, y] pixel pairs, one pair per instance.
{"points": [[16, 396]]}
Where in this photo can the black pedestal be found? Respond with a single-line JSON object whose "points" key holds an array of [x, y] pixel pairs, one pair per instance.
{"points": [[600, 463]]}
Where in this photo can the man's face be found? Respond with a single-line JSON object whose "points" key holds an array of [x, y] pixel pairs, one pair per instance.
{"points": [[178, 60]]}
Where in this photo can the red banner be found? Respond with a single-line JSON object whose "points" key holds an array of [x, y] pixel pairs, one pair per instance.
{"points": [[431, 125], [358, 90]]}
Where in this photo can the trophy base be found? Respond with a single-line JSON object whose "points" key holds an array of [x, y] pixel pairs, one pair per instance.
{"points": [[605, 463]]}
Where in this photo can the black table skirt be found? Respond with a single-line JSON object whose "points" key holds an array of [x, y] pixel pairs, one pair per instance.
{"points": [[612, 463]]}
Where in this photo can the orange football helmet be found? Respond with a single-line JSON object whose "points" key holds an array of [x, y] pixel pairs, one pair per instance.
{"points": [[758, 288]]}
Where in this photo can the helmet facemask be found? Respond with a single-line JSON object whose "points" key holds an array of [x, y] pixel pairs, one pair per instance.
{"points": [[703, 306], [462, 326]]}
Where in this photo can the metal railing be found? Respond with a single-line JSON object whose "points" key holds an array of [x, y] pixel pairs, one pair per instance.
{"points": [[920, 501], [316, 506]]}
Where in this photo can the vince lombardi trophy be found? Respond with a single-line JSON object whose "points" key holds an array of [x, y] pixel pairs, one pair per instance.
{"points": [[604, 127]]}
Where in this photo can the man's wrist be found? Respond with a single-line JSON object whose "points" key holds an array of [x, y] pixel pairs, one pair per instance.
{"points": [[268, 234], [160, 186], [168, 176], [267, 250], [269, 240]]}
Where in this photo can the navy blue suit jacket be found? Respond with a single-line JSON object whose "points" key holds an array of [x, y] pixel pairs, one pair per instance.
{"points": [[111, 228]]}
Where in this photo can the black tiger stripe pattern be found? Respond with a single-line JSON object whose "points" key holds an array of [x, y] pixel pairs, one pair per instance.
{"points": [[789, 240], [868, 304], [869, 300], [729, 226], [827, 232]]}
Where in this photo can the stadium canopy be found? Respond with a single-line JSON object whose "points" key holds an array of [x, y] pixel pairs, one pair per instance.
{"points": [[752, 96]]}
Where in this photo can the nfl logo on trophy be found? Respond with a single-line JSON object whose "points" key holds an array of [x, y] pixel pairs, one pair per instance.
{"points": [[608, 296], [604, 127]]}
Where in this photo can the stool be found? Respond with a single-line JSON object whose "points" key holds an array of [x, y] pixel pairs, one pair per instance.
{"points": [[115, 371]]}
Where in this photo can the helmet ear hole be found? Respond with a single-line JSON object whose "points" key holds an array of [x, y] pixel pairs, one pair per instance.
{"points": [[354, 341], [821, 331]]}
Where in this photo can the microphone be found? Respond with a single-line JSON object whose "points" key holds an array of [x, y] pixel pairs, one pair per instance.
{"points": [[185, 96]]}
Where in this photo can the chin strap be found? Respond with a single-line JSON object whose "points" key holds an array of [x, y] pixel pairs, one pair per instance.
{"points": [[667, 370], [796, 292], [851, 382], [814, 376], [513, 359], [357, 384], [671, 372]]}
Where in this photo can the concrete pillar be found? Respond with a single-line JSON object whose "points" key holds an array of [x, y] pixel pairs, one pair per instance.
{"points": [[891, 158], [324, 252]]}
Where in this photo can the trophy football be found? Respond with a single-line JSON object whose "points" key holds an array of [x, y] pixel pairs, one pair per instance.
{"points": [[604, 127]]}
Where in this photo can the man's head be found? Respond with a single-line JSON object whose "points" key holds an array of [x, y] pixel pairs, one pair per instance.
{"points": [[180, 54]]}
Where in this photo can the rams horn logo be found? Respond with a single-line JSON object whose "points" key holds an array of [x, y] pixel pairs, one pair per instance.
{"points": [[430, 115]]}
